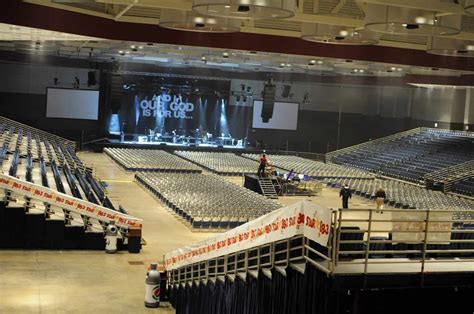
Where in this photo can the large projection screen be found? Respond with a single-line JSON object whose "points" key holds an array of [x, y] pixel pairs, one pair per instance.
{"points": [[285, 116], [72, 104]]}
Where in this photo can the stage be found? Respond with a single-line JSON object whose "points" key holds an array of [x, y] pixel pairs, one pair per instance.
{"points": [[115, 143]]}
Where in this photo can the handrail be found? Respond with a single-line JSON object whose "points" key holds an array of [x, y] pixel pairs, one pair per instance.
{"points": [[412, 241], [10, 122], [19, 190], [450, 175]]}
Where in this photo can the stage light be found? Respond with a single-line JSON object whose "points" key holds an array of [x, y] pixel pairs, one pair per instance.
{"points": [[114, 123]]}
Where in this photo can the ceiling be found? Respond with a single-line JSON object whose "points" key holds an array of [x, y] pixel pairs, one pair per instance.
{"points": [[247, 51], [334, 12], [26, 40]]}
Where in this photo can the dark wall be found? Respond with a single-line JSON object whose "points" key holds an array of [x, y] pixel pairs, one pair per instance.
{"points": [[23, 97]]}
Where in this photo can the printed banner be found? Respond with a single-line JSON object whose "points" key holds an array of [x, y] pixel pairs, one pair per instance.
{"points": [[302, 218], [67, 202], [414, 221]]}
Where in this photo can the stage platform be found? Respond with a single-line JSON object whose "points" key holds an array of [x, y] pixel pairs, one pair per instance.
{"points": [[99, 146]]}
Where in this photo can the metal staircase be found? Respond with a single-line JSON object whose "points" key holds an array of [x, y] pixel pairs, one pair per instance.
{"points": [[267, 188]]}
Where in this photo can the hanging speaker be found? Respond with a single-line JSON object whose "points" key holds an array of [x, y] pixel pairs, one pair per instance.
{"points": [[285, 93], [268, 101], [91, 81]]}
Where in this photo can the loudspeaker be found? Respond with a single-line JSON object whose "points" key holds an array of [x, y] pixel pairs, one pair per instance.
{"points": [[268, 102], [286, 91], [91, 81]]}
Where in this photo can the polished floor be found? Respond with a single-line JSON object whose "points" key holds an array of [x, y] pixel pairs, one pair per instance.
{"points": [[96, 282]]}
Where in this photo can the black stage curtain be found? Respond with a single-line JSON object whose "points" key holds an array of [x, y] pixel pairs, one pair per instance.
{"points": [[294, 293], [317, 289]]}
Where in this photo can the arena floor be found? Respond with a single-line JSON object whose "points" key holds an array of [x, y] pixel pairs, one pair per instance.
{"points": [[96, 282]]}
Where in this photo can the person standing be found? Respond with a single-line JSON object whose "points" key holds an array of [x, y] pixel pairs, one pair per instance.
{"points": [[346, 194], [262, 165], [380, 196]]}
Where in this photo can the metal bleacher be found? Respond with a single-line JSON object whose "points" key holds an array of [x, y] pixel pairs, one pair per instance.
{"points": [[47, 161], [410, 156]]}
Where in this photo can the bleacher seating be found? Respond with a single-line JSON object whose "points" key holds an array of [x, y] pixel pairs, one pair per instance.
{"points": [[206, 201], [410, 157], [315, 169], [150, 160], [220, 163], [37, 157]]}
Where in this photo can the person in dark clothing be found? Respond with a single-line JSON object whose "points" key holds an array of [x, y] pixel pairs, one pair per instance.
{"points": [[262, 165], [380, 196], [346, 194]]}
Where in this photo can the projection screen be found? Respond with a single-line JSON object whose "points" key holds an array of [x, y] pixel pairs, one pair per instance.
{"points": [[285, 116], [72, 104]]}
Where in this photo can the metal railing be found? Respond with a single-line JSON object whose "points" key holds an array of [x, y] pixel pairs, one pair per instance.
{"points": [[362, 241], [41, 133], [446, 177]]}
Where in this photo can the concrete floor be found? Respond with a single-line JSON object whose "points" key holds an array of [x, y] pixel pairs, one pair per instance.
{"points": [[96, 282]]}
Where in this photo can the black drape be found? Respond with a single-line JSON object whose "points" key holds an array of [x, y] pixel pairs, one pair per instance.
{"points": [[294, 293]]}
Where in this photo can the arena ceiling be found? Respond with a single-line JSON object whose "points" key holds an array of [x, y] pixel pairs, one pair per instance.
{"points": [[128, 31]]}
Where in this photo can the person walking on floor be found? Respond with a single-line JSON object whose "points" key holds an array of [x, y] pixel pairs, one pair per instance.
{"points": [[380, 199], [346, 195], [262, 165]]}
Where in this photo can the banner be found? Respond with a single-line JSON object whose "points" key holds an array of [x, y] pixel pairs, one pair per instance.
{"points": [[67, 202], [302, 218], [415, 221]]}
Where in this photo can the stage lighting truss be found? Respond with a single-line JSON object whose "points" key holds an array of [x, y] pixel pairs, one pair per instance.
{"points": [[333, 34], [195, 22], [450, 47], [406, 21], [246, 9]]}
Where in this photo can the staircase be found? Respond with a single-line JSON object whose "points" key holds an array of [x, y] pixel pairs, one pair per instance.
{"points": [[267, 188]]}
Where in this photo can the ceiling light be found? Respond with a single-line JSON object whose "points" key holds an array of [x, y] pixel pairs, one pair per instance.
{"points": [[192, 21], [333, 34], [450, 47], [246, 9], [407, 21]]}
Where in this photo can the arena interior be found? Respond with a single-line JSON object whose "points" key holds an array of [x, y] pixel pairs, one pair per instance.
{"points": [[267, 156]]}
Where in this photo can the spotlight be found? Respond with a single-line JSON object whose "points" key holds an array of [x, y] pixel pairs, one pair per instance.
{"points": [[243, 8]]}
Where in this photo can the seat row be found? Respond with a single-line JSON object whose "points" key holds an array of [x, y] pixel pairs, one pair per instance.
{"points": [[315, 169], [220, 163], [206, 201], [408, 196], [150, 160]]}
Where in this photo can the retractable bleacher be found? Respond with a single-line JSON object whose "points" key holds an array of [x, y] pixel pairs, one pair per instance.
{"points": [[47, 164]]}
